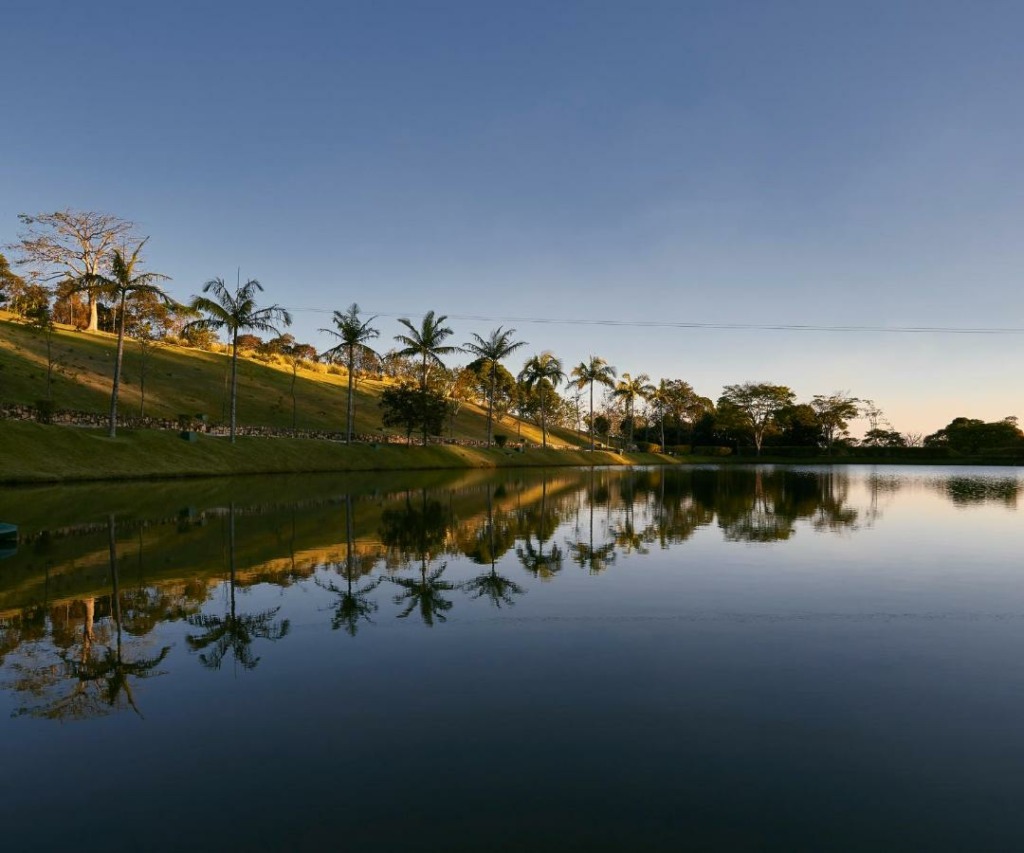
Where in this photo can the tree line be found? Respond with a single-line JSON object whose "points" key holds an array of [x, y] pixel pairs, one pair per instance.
{"points": [[85, 269]]}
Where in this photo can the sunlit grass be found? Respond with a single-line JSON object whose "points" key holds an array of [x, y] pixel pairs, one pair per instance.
{"points": [[37, 453], [180, 380]]}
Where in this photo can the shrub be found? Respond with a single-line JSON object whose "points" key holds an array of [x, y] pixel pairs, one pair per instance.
{"points": [[648, 447], [500, 439], [680, 449], [45, 410], [711, 450], [335, 370]]}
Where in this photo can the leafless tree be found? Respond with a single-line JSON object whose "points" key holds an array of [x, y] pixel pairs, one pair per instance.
{"points": [[72, 244]]}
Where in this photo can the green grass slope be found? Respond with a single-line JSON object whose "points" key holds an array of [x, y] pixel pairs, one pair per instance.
{"points": [[35, 453], [183, 380]]}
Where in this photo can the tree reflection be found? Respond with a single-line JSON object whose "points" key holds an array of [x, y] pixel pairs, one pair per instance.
{"points": [[497, 588], [544, 524], [424, 595], [585, 554], [625, 535], [96, 681], [763, 505], [967, 491], [420, 530], [233, 633], [352, 606]]}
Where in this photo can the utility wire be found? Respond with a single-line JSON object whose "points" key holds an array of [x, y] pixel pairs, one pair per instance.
{"points": [[667, 324]]}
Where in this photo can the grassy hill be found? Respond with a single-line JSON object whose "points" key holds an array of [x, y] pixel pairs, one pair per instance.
{"points": [[184, 380]]}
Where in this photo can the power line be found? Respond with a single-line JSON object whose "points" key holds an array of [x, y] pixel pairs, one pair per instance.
{"points": [[669, 324]]}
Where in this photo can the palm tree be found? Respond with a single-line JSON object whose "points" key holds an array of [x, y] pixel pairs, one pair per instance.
{"points": [[662, 398], [353, 334], [628, 389], [587, 373], [124, 280], [492, 350], [426, 344], [236, 312], [543, 371]]}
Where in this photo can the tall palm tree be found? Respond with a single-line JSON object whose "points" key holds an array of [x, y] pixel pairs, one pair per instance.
{"points": [[492, 350], [236, 312], [353, 334], [543, 371], [661, 396], [628, 389], [426, 344], [587, 373], [125, 280]]}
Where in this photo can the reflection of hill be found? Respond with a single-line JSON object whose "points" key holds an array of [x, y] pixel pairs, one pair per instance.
{"points": [[56, 591]]}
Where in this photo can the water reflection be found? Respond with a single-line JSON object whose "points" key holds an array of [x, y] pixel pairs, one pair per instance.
{"points": [[88, 673], [964, 491], [76, 635], [353, 605], [233, 633], [490, 542]]}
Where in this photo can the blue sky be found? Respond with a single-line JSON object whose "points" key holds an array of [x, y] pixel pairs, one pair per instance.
{"points": [[742, 162]]}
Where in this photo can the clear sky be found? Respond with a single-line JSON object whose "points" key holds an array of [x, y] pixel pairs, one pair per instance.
{"points": [[817, 162]]}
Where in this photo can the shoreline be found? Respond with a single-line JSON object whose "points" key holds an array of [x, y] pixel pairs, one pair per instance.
{"points": [[35, 454]]}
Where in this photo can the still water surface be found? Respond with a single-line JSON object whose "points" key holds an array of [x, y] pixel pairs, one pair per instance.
{"points": [[746, 658]]}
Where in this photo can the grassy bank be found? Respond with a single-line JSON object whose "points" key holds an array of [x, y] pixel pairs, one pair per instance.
{"points": [[34, 453], [185, 380]]}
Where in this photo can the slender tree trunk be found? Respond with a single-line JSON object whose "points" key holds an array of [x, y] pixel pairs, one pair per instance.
{"points": [[117, 369], [424, 412], [543, 424], [490, 406], [591, 415], [49, 363], [295, 376], [663, 431], [142, 385], [351, 401], [234, 379]]}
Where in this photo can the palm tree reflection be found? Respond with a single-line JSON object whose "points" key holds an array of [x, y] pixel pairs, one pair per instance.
{"points": [[499, 589], [544, 524], [233, 633], [419, 530], [585, 554], [100, 680], [352, 606]]}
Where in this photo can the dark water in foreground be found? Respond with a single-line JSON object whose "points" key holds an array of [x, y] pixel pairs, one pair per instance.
{"points": [[763, 659]]}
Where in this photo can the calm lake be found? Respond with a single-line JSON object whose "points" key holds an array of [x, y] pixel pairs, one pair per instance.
{"points": [[749, 658]]}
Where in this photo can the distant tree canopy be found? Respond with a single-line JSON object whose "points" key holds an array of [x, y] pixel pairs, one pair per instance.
{"points": [[10, 283], [754, 407], [480, 373], [253, 343], [970, 435]]}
